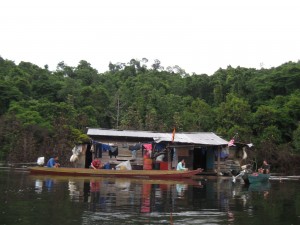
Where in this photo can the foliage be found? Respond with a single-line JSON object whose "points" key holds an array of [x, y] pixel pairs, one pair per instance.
{"points": [[296, 140], [234, 112], [47, 112]]}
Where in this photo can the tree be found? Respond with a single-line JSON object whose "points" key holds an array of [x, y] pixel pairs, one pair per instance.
{"points": [[199, 116], [86, 73], [151, 120], [296, 140], [235, 111], [8, 93], [199, 86], [157, 65], [131, 120], [263, 117]]}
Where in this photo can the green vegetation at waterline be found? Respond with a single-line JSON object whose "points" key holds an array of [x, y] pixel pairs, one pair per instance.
{"points": [[42, 110]]}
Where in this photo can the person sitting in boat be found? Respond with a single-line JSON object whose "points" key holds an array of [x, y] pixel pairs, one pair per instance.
{"points": [[181, 166], [265, 168], [96, 164], [53, 162]]}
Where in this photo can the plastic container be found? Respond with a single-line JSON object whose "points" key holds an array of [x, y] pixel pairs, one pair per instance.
{"points": [[163, 165], [147, 164]]}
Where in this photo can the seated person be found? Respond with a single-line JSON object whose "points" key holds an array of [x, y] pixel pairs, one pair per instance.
{"points": [[53, 162], [96, 164], [265, 168], [181, 166]]}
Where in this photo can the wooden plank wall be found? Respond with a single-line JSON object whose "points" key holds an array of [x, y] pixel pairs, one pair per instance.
{"points": [[124, 153], [185, 153]]}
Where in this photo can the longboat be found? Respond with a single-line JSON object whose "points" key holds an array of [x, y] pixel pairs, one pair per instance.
{"points": [[143, 174]]}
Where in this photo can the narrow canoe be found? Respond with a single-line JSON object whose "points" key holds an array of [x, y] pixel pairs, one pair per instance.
{"points": [[256, 178], [144, 174]]}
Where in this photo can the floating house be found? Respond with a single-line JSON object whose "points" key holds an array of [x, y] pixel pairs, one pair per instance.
{"points": [[152, 150]]}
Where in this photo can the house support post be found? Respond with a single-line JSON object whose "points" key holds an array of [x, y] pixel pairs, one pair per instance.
{"points": [[169, 159], [218, 166]]}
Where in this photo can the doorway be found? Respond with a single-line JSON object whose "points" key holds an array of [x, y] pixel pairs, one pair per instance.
{"points": [[199, 158]]}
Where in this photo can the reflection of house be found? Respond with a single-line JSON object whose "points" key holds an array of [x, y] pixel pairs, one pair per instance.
{"points": [[198, 149]]}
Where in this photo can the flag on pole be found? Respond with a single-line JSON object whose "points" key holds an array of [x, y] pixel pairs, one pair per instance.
{"points": [[173, 134], [231, 142]]}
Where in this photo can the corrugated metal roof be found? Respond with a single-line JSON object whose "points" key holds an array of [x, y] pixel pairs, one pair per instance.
{"points": [[205, 138], [121, 133]]}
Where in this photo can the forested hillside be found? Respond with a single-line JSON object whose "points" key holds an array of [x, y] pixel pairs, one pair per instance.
{"points": [[42, 111]]}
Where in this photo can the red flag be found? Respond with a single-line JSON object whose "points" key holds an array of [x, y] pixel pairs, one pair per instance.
{"points": [[231, 142], [173, 134]]}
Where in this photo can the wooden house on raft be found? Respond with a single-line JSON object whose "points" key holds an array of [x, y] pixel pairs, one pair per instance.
{"points": [[153, 150]]}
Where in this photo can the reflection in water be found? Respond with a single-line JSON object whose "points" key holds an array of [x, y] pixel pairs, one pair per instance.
{"points": [[181, 188], [134, 201], [38, 186], [133, 194], [145, 206], [153, 195], [94, 186], [49, 184], [74, 190], [260, 186], [39, 183]]}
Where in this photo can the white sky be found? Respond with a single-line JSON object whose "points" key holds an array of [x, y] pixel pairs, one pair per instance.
{"points": [[198, 35]]}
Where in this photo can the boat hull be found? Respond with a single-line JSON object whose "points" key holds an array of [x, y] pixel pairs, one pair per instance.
{"points": [[144, 174], [255, 178]]}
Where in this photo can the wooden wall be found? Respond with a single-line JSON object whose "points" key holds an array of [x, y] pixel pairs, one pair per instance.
{"points": [[123, 149]]}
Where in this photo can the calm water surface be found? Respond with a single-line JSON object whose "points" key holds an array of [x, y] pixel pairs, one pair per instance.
{"points": [[47, 200]]}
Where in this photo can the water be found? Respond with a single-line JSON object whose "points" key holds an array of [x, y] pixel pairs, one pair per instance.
{"points": [[28, 199]]}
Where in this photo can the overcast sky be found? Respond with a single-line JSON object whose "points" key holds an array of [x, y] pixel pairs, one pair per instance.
{"points": [[200, 36]]}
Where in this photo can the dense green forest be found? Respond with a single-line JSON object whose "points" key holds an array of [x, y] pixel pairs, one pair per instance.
{"points": [[42, 111]]}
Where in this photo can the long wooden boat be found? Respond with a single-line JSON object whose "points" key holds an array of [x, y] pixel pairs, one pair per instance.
{"points": [[255, 178], [144, 174]]}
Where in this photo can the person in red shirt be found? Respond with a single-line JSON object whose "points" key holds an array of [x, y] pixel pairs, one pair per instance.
{"points": [[96, 164]]}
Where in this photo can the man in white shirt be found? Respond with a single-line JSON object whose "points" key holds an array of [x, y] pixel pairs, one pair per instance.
{"points": [[181, 166]]}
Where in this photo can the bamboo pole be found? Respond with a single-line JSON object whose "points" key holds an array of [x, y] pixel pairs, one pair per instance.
{"points": [[218, 166], [169, 159]]}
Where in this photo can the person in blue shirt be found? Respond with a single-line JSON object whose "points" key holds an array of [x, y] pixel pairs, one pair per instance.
{"points": [[181, 166], [53, 162]]}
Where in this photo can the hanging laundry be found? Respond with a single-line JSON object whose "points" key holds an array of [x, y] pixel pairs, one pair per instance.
{"points": [[113, 151], [98, 150], [105, 147], [147, 146], [224, 153], [77, 150], [159, 147], [92, 148], [244, 153], [135, 147]]}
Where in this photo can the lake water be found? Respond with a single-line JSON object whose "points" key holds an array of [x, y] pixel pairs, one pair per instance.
{"points": [[47, 200]]}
